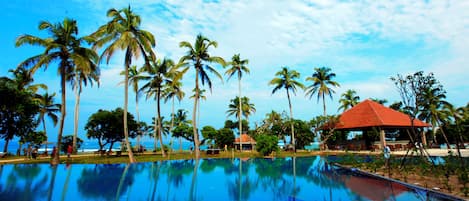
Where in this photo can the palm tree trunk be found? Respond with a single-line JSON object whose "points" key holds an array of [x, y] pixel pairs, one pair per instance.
{"points": [[171, 126], [138, 120], [75, 128], [45, 132], [194, 122], [56, 159], [324, 104], [126, 100], [291, 121], [159, 123], [239, 115]]}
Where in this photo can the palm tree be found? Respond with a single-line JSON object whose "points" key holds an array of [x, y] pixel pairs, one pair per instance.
{"points": [[434, 110], [244, 109], [123, 32], [202, 96], [322, 80], [199, 57], [158, 76], [65, 47], [82, 75], [172, 91], [134, 78], [180, 118], [238, 66], [49, 108], [349, 99], [23, 78], [287, 79]]}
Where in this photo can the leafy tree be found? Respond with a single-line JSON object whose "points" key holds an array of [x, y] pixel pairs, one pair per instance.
{"points": [[322, 83], [287, 79], [17, 112], [68, 140], [266, 144], [184, 131], [62, 47], [412, 89], [123, 32], [380, 101], [208, 133], [106, 127], [199, 57], [225, 137], [348, 99], [230, 124], [35, 138], [304, 135]]}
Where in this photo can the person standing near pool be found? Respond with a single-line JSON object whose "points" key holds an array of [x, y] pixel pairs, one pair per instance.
{"points": [[69, 150]]}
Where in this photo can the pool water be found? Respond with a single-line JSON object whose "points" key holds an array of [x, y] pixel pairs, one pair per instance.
{"points": [[305, 178]]}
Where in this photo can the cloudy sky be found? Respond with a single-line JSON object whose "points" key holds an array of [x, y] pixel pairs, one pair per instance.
{"points": [[363, 42]]}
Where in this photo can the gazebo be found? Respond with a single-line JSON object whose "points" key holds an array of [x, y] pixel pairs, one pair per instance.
{"points": [[245, 142], [369, 114]]}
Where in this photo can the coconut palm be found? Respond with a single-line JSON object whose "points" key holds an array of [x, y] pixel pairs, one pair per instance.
{"points": [[158, 76], [62, 46], [348, 100], [245, 107], [172, 91], [180, 118], [287, 79], [238, 66], [198, 56], [81, 75], [47, 107], [123, 32], [134, 78], [322, 83], [433, 110], [23, 78]]}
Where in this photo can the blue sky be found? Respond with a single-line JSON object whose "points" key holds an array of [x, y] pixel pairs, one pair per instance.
{"points": [[363, 42]]}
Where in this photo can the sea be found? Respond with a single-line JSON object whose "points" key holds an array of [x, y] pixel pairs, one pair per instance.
{"points": [[91, 146]]}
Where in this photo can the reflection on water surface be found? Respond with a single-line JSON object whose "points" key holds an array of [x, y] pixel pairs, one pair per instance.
{"points": [[308, 178]]}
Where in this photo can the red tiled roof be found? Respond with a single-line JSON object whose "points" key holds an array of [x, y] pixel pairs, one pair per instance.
{"points": [[245, 138], [371, 114]]}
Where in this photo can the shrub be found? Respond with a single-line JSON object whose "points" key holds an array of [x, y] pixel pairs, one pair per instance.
{"points": [[266, 144]]}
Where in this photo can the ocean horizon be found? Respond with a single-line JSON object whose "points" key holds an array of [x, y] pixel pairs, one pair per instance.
{"points": [[91, 146]]}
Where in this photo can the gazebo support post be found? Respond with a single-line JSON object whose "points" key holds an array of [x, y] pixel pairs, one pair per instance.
{"points": [[382, 138], [424, 139]]}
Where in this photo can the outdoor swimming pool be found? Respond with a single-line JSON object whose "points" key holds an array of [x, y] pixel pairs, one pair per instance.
{"points": [[307, 178]]}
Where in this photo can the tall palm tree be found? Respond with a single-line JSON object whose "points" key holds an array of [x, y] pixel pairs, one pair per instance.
{"points": [[47, 107], [348, 99], [238, 66], [287, 79], [63, 46], [158, 76], [134, 78], [172, 91], [433, 110], [81, 75], [198, 56], [322, 83], [123, 32], [201, 93]]}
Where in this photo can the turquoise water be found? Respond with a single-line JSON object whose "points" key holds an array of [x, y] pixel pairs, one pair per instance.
{"points": [[309, 178]]}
